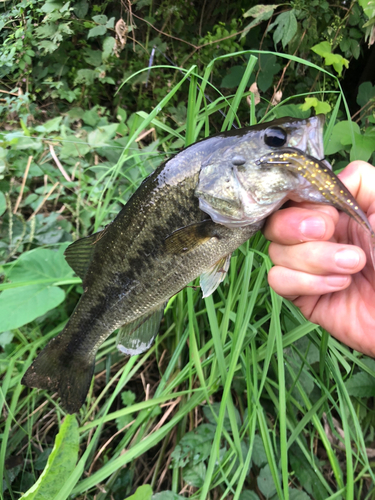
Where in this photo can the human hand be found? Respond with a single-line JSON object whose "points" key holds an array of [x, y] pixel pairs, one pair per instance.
{"points": [[320, 266]]}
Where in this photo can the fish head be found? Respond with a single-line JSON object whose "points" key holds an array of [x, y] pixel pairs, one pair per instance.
{"points": [[235, 189]]}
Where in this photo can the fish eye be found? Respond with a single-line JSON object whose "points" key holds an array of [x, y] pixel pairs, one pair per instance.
{"points": [[275, 137], [238, 160]]}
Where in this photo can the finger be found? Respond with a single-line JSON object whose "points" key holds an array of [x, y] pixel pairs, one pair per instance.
{"points": [[294, 225], [322, 258], [359, 178], [290, 283]]}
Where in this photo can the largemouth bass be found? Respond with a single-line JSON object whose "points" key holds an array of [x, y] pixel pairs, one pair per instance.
{"points": [[184, 221]]}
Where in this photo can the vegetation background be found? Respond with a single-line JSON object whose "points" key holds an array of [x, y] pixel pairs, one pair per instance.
{"points": [[240, 398]]}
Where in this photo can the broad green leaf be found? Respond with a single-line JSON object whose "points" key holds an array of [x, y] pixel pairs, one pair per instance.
{"points": [[73, 146], [295, 494], [61, 463], [233, 77], [19, 306], [51, 6], [143, 492], [167, 495], [50, 125], [265, 482], [260, 13], [194, 474], [100, 19], [108, 45], [195, 446], [259, 456], [248, 495], [313, 102], [361, 385], [366, 92], [341, 136], [81, 8], [40, 264], [286, 28], [86, 76], [268, 67], [3, 205], [365, 146], [324, 49], [102, 135], [97, 31]]}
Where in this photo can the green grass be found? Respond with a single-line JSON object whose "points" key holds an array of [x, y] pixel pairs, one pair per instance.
{"points": [[239, 398]]}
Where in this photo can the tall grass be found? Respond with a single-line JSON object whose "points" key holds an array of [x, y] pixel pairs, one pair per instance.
{"points": [[272, 385]]}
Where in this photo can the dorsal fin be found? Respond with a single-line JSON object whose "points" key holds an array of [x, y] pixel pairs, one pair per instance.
{"points": [[78, 255]]}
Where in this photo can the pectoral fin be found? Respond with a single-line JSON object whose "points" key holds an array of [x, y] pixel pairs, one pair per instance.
{"points": [[190, 237], [138, 336], [212, 278]]}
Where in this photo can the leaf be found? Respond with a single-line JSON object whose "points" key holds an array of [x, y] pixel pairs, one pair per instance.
{"points": [[364, 146], [6, 338], [96, 31], [265, 482], [366, 92], [259, 456], [108, 45], [313, 102], [81, 8], [26, 304], [286, 28], [60, 465], [268, 67], [50, 125], [233, 77], [341, 136], [361, 385], [324, 49], [85, 76], [102, 135], [40, 264], [143, 492], [3, 204], [100, 19], [248, 495], [260, 13], [51, 6], [195, 446], [167, 495], [194, 474], [295, 494]]}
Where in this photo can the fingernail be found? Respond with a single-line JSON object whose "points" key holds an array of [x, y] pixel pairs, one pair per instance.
{"points": [[347, 259], [337, 281], [313, 227]]}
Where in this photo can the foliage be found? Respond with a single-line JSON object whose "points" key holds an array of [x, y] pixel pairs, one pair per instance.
{"points": [[240, 397]]}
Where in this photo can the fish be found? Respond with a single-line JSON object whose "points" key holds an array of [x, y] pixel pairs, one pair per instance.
{"points": [[183, 222]]}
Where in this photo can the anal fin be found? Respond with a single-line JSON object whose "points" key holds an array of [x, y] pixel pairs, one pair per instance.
{"points": [[138, 336], [211, 279]]}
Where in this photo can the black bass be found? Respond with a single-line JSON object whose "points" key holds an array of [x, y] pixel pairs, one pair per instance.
{"points": [[184, 221]]}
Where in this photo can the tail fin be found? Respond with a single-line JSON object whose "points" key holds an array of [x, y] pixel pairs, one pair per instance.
{"points": [[69, 374]]}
